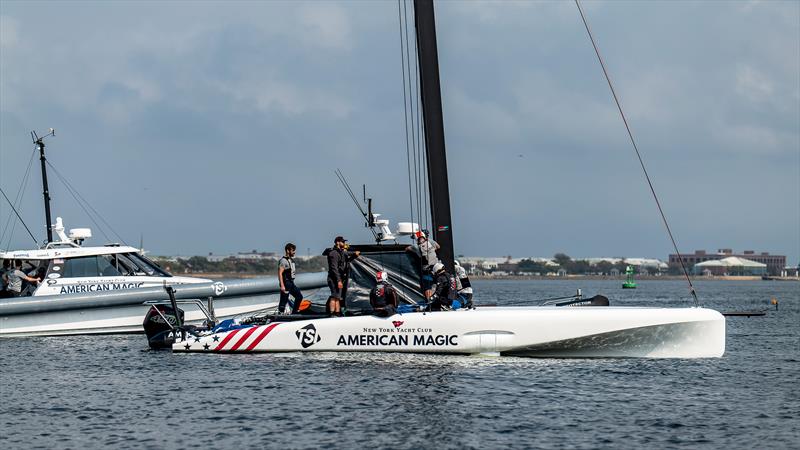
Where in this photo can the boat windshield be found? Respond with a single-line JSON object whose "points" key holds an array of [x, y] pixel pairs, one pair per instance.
{"points": [[113, 265], [132, 264]]}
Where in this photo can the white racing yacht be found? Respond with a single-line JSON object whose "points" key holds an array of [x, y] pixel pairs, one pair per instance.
{"points": [[540, 331], [575, 328]]}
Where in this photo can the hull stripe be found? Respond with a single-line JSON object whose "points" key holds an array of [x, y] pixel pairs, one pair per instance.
{"points": [[261, 336], [227, 338], [244, 338]]}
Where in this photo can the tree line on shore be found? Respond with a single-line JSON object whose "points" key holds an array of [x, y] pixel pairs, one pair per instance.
{"points": [[525, 267], [262, 266]]}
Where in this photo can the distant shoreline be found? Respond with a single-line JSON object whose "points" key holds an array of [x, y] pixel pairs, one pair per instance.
{"points": [[218, 275]]}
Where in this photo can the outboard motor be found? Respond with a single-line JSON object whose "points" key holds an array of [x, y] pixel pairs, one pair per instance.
{"points": [[161, 334]]}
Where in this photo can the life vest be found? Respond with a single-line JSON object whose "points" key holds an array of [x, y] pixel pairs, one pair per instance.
{"points": [[452, 293], [288, 274], [379, 295]]}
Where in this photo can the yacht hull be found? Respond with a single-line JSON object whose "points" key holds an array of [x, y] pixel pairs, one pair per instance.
{"points": [[546, 332]]}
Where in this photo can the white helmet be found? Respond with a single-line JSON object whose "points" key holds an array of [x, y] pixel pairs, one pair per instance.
{"points": [[456, 263], [381, 276], [438, 267]]}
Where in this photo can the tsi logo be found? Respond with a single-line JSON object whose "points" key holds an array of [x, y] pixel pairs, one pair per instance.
{"points": [[219, 287], [307, 335]]}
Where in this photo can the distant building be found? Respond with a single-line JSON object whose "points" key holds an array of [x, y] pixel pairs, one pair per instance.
{"points": [[253, 256], [790, 271], [774, 263], [732, 266], [651, 264]]}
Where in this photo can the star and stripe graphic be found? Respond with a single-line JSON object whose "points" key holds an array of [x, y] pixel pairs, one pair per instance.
{"points": [[238, 340]]}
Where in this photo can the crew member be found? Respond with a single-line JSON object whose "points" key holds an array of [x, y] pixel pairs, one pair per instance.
{"points": [[286, 273], [383, 297], [445, 289], [3, 278], [465, 288], [338, 274], [15, 277], [426, 249]]}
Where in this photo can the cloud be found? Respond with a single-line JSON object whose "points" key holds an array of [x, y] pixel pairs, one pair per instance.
{"points": [[229, 108], [753, 84], [8, 32], [287, 98], [326, 25]]}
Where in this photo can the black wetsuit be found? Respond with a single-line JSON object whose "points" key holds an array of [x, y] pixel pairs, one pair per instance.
{"points": [[444, 291]]}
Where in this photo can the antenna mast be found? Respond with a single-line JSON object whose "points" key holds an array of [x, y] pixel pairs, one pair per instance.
{"points": [[39, 141]]}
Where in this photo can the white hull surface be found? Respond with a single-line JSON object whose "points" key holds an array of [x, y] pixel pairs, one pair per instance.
{"points": [[579, 332], [123, 311], [119, 319]]}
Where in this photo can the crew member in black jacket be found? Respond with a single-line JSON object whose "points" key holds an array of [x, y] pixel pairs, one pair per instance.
{"points": [[444, 290], [338, 274]]}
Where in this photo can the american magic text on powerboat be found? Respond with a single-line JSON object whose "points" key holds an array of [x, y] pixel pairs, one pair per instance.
{"points": [[579, 327]]}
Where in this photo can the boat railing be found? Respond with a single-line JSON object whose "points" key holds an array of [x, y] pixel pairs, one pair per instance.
{"points": [[51, 245], [558, 301]]}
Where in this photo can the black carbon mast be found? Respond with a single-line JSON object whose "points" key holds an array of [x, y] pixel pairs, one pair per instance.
{"points": [[433, 126]]}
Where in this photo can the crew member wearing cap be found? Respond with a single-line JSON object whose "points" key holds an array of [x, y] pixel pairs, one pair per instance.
{"points": [[338, 274], [426, 249]]}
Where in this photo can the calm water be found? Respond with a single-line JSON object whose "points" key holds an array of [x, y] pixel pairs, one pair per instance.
{"points": [[96, 392]]}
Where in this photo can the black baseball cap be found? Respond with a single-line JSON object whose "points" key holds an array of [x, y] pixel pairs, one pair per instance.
{"points": [[339, 239]]}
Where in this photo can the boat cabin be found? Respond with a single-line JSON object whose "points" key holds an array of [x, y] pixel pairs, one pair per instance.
{"points": [[89, 269]]}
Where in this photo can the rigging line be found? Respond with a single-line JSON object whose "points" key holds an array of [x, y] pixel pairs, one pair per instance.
{"points": [[20, 217], [70, 190], [18, 198], [414, 137], [638, 155], [340, 175], [66, 182], [405, 110], [346, 185]]}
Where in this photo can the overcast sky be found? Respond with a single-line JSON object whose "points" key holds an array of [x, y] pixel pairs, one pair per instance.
{"points": [[216, 127]]}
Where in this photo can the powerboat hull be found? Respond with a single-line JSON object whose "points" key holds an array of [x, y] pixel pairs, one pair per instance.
{"points": [[121, 311], [118, 319], [547, 332]]}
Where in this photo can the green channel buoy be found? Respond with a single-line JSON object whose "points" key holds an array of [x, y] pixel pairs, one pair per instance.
{"points": [[629, 283]]}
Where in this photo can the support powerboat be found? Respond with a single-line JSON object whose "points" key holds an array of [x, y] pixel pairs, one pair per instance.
{"points": [[100, 289], [93, 290]]}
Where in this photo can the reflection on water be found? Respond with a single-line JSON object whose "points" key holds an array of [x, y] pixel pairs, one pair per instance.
{"points": [[110, 391]]}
